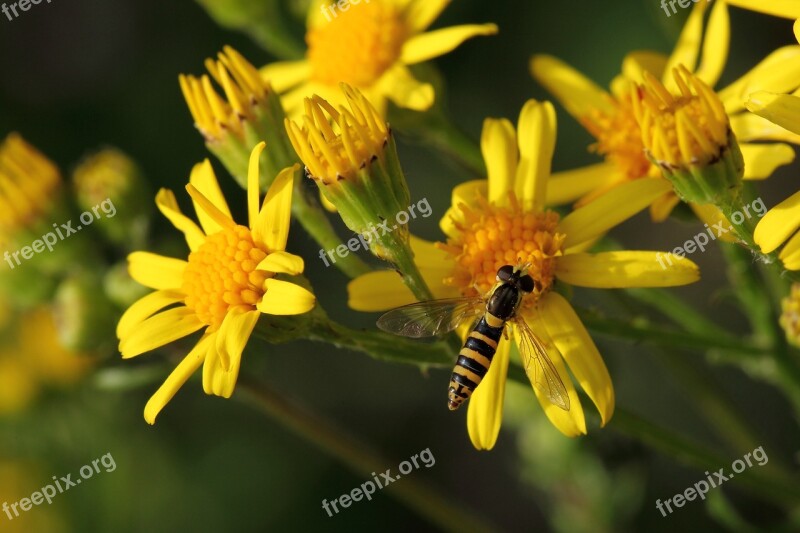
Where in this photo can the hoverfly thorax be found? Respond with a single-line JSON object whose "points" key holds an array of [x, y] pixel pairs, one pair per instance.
{"points": [[506, 296]]}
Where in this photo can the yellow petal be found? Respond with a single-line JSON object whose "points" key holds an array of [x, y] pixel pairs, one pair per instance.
{"points": [[779, 72], [751, 127], [790, 255], [253, 189], [204, 180], [156, 271], [402, 88], [420, 14], [617, 270], [715, 45], [780, 8], [571, 423], [716, 224], [159, 330], [176, 379], [614, 207], [439, 42], [168, 205], [272, 224], [485, 407], [640, 61], [500, 152], [661, 208], [578, 94], [688, 46], [536, 132], [285, 298], [384, 289], [761, 160], [144, 308], [231, 338], [466, 193], [568, 186], [778, 224], [282, 263], [284, 75], [782, 109], [584, 360]]}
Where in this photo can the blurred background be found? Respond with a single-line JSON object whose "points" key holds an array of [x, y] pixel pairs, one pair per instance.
{"points": [[82, 75]]}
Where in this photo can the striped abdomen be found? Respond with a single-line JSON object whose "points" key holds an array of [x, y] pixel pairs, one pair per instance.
{"points": [[474, 359]]}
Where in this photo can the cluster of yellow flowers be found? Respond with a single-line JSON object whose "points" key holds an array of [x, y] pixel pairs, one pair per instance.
{"points": [[664, 132]]}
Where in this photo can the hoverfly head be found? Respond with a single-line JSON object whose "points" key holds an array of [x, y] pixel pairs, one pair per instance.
{"points": [[505, 273]]}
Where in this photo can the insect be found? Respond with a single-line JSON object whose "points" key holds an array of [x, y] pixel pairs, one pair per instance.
{"points": [[498, 307]]}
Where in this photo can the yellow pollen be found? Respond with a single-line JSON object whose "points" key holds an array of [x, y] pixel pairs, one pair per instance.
{"points": [[679, 130], [222, 274], [495, 236], [358, 45], [619, 139]]}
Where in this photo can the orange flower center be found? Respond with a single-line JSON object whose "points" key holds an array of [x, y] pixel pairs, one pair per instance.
{"points": [[619, 139], [222, 274], [495, 236], [358, 45]]}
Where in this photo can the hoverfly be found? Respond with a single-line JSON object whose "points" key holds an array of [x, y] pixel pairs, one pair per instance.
{"points": [[497, 307]]}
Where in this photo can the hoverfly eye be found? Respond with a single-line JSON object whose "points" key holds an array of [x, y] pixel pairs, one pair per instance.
{"points": [[505, 272], [526, 284]]}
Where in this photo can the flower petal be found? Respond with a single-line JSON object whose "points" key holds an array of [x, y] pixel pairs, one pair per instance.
{"points": [[536, 133], [284, 75], [623, 269], [790, 255], [779, 72], [204, 180], [661, 208], [439, 42], [640, 61], [782, 109], [421, 13], [761, 160], [282, 263], [778, 224], [159, 330], [285, 298], [614, 207], [501, 155], [272, 223], [156, 271], [688, 46], [144, 308], [253, 190], [177, 379], [485, 408], [402, 88], [712, 217], [575, 344], [466, 193], [789, 9], [232, 337], [382, 290], [168, 205], [568, 186], [715, 45], [751, 127], [578, 94]]}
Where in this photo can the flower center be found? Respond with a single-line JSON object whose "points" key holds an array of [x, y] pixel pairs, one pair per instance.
{"points": [[619, 139], [495, 236], [222, 274], [681, 130], [358, 45]]}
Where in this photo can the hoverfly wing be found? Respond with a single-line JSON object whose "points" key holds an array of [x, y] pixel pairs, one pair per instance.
{"points": [[539, 367], [431, 317]]}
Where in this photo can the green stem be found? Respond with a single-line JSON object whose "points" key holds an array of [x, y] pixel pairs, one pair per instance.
{"points": [[314, 221], [425, 500], [399, 253]]}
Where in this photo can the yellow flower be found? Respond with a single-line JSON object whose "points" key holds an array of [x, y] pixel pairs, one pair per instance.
{"points": [[780, 226], [790, 316], [780, 109], [227, 282], [609, 116], [789, 9], [502, 220], [369, 45]]}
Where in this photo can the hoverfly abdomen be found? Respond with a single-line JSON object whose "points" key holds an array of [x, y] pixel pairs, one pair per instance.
{"points": [[473, 361]]}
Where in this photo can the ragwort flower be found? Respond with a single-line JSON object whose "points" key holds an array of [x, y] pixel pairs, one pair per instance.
{"points": [[228, 281], [502, 220], [369, 45]]}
